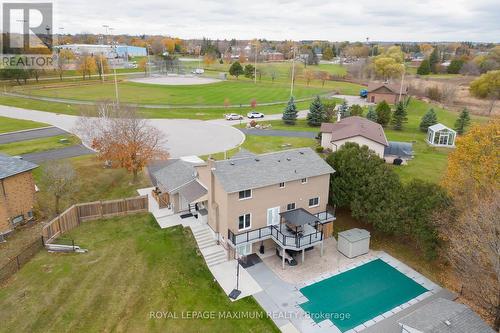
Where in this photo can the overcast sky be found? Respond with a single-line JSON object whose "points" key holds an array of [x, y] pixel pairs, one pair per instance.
{"points": [[334, 20]]}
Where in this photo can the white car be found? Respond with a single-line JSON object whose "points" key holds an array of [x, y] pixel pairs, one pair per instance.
{"points": [[255, 114], [233, 116]]}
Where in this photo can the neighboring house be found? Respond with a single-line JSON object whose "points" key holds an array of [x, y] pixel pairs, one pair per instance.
{"points": [[378, 92], [439, 135], [258, 201], [443, 316], [354, 129], [398, 150], [17, 193]]}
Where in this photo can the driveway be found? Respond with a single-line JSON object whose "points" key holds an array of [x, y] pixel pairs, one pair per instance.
{"points": [[36, 133], [57, 154], [184, 137]]}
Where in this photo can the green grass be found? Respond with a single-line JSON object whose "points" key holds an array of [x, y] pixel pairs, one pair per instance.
{"points": [[132, 268], [38, 145], [11, 125]]}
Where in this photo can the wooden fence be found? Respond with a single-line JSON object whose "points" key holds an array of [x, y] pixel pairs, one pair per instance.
{"points": [[74, 215]]}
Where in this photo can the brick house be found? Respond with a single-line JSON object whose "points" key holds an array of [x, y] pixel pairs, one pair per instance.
{"points": [[17, 193], [378, 92]]}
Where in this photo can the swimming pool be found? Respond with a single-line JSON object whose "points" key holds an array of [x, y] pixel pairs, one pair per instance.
{"points": [[353, 297]]}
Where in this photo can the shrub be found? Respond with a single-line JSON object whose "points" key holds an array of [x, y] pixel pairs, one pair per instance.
{"points": [[434, 93], [319, 149]]}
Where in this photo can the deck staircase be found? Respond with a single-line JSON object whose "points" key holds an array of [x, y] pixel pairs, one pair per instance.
{"points": [[214, 254]]}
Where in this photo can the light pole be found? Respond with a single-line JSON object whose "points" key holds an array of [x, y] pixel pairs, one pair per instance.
{"points": [[255, 63], [293, 70]]}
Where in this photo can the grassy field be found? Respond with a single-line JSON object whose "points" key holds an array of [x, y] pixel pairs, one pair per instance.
{"points": [[132, 268], [11, 125], [37, 145]]}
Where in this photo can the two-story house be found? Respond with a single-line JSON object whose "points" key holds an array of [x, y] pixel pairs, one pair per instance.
{"points": [[17, 193]]}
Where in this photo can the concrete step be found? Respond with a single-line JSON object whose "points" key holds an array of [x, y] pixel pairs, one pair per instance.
{"points": [[204, 238], [205, 245], [202, 232], [216, 262], [215, 255]]}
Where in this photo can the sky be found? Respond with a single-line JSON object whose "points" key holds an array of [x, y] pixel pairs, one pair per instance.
{"points": [[334, 20]]}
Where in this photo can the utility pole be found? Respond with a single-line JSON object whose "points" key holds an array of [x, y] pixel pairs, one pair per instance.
{"points": [[293, 70], [255, 63]]}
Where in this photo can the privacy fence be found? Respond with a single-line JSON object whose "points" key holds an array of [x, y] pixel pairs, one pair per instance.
{"points": [[68, 220]]}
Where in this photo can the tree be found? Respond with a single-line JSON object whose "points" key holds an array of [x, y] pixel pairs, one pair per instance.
{"points": [[236, 69], [455, 66], [434, 60], [63, 58], [383, 113], [327, 54], [462, 122], [399, 117], [487, 86], [249, 71], [344, 109], [86, 66], [367, 186], [102, 66], [119, 135], [308, 75], [290, 112], [356, 110], [209, 59], [471, 232], [387, 67], [424, 68], [372, 114], [330, 112], [323, 76], [429, 119], [143, 65], [59, 179], [316, 113]]}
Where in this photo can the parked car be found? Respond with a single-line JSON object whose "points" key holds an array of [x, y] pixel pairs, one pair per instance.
{"points": [[198, 71], [255, 114], [288, 258], [363, 93], [233, 116]]}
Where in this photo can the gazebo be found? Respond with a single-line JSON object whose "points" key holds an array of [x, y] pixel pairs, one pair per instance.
{"points": [[441, 136]]}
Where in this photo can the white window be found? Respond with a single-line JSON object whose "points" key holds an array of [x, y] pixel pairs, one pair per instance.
{"points": [[282, 185], [244, 222], [246, 194], [303, 180], [313, 202], [290, 206]]}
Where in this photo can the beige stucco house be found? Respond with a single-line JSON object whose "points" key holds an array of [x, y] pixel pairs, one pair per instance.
{"points": [[17, 193], [354, 129], [262, 202]]}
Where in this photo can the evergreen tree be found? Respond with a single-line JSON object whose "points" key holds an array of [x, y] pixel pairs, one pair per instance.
{"points": [[356, 110], [424, 68], [429, 119], [236, 69], [290, 112], [344, 110], [399, 117], [383, 113], [462, 122], [455, 66], [316, 113], [371, 115], [249, 71], [434, 60]]}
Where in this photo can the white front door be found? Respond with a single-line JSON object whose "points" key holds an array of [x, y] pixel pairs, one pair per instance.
{"points": [[273, 216]]}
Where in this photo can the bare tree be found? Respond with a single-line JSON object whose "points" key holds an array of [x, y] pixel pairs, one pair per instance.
{"points": [[119, 135], [58, 179]]}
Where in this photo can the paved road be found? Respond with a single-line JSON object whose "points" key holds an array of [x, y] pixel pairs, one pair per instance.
{"points": [[184, 137], [271, 132], [57, 154], [31, 134]]}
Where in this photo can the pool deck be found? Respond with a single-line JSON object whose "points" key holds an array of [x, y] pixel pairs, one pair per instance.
{"points": [[282, 297]]}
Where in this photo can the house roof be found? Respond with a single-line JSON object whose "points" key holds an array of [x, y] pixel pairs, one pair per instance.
{"points": [[193, 191], [355, 126], [444, 316], [243, 153], [299, 217], [397, 148], [393, 88], [267, 169], [438, 127], [10, 166], [173, 174]]}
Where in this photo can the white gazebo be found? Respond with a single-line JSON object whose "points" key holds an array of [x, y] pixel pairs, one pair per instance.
{"points": [[441, 136]]}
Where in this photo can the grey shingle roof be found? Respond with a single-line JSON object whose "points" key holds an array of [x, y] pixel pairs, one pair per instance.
{"points": [[445, 316], [173, 174], [353, 126], [192, 191], [267, 169], [10, 166]]}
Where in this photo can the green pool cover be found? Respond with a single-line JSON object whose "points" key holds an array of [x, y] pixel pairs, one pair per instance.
{"points": [[358, 295]]}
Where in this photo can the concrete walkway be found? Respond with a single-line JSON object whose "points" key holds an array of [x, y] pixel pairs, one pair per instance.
{"points": [[31, 134], [184, 137]]}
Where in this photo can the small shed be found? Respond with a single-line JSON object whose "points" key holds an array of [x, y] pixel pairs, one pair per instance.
{"points": [[439, 135], [353, 242]]}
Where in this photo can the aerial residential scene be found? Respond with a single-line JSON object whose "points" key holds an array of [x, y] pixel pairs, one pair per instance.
{"points": [[264, 166]]}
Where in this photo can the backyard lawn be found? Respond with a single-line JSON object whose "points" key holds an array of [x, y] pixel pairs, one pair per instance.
{"points": [[37, 145], [11, 125], [132, 268]]}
